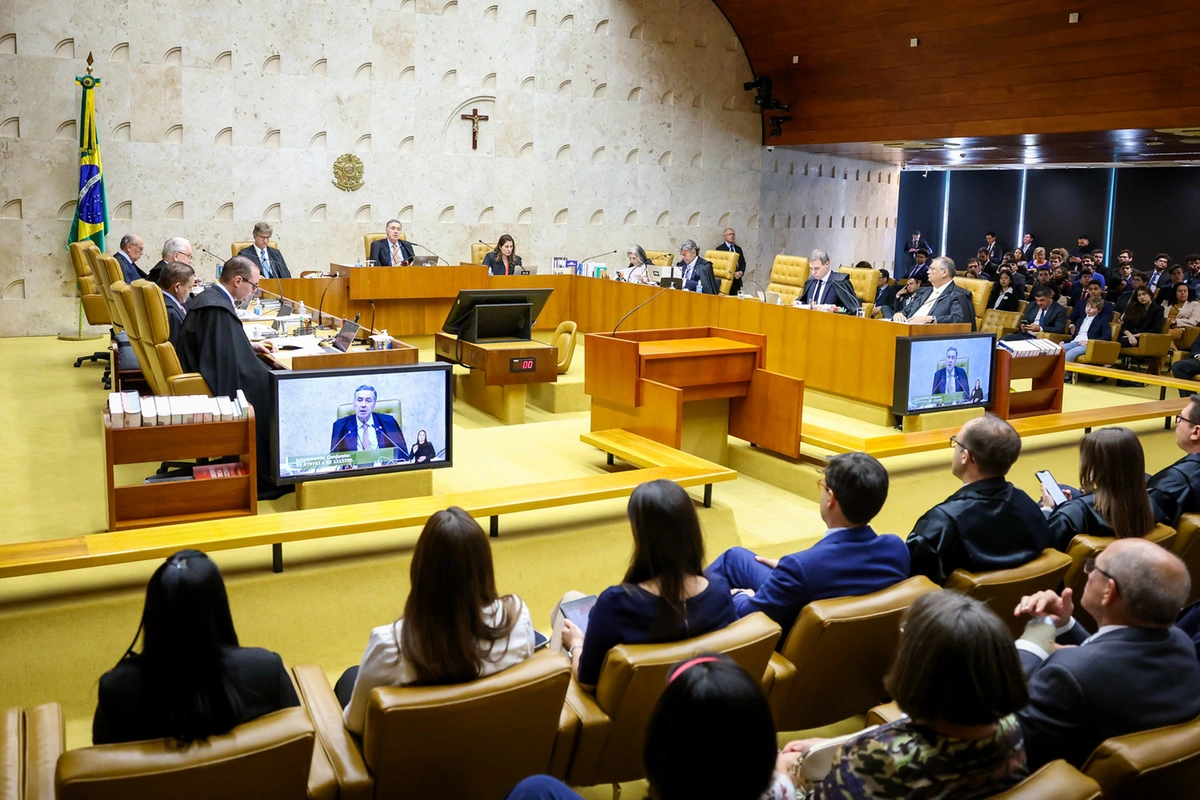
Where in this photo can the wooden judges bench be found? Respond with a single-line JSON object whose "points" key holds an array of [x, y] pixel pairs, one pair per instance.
{"points": [[842, 355]]}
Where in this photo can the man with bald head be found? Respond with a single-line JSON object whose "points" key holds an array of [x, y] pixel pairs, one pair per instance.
{"points": [[127, 256], [1135, 673], [988, 524]]}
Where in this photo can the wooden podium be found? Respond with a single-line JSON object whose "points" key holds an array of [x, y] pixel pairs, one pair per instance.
{"points": [[499, 373], [641, 380]]}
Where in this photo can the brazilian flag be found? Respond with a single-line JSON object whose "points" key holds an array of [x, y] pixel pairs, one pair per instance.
{"points": [[91, 213]]}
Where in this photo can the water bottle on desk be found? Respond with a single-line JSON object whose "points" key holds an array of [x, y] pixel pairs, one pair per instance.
{"points": [[358, 263]]}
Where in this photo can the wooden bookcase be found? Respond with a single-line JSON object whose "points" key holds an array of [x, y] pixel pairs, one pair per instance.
{"points": [[140, 505], [1046, 396]]}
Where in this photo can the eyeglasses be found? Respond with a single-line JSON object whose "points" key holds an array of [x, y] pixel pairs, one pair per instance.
{"points": [[1181, 418], [821, 484], [954, 442], [1090, 566], [252, 283]]}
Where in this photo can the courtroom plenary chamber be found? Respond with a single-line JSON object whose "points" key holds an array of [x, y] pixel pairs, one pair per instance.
{"points": [[606, 399]]}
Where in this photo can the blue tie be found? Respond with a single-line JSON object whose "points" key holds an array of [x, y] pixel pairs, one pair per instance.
{"points": [[266, 263]]}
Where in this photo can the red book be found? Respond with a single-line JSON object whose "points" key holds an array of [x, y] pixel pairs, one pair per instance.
{"points": [[206, 471]]}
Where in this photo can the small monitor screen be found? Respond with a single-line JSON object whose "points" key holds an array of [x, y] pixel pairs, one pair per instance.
{"points": [[340, 422], [938, 373], [345, 336]]}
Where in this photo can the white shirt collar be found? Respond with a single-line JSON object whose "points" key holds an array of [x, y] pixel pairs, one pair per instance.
{"points": [[174, 300], [693, 262]]}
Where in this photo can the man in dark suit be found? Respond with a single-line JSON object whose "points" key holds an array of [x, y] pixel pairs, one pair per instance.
{"points": [[131, 250], [1138, 672], [270, 260], [1078, 311], [176, 281], [851, 559], [917, 244], [732, 246], [989, 267], [942, 301], [898, 297], [1136, 281], [176, 248], [1176, 489], [1043, 314], [1027, 247], [988, 524], [392, 251], [825, 287], [919, 268], [366, 430], [698, 275], [995, 250], [951, 378]]}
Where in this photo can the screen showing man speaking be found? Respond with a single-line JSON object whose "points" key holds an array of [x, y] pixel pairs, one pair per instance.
{"points": [[333, 423], [941, 372]]}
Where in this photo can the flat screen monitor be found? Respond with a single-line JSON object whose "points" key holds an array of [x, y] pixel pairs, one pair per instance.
{"points": [[468, 299], [939, 373], [333, 423]]}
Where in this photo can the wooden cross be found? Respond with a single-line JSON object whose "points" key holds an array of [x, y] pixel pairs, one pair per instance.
{"points": [[475, 118]]}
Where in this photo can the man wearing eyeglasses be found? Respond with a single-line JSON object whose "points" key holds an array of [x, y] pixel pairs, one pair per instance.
{"points": [[1176, 489], [988, 524], [213, 343], [1137, 672]]}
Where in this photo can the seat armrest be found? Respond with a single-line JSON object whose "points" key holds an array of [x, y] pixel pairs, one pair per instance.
{"points": [[564, 742], [189, 383], [594, 727], [782, 675], [882, 715], [12, 753], [322, 782], [45, 740], [354, 781]]}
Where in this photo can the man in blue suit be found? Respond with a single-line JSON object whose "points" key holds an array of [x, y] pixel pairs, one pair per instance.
{"points": [[952, 378], [366, 430], [850, 559]]}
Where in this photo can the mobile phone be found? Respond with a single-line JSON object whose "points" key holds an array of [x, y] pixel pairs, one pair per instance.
{"points": [[1051, 486], [540, 640]]}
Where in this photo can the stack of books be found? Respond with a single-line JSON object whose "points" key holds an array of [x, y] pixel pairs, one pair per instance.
{"points": [[129, 410], [1024, 348]]}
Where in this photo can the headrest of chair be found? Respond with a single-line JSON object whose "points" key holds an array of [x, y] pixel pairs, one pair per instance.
{"points": [[789, 269], [391, 407], [79, 259], [123, 302], [268, 757], [150, 302], [238, 247]]}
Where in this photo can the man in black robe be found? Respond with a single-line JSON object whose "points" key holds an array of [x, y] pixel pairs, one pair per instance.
{"points": [[213, 343]]}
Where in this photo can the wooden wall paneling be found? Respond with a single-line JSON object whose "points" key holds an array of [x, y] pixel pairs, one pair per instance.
{"points": [[611, 369], [659, 417], [770, 413]]}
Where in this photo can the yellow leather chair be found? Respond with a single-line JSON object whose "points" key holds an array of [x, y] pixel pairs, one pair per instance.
{"points": [[12, 754], [479, 250], [1057, 780], [1000, 323], [724, 264], [1187, 547], [1159, 763], [1153, 347], [369, 240], [981, 291], [1100, 353], [30, 743], [788, 276], [566, 335], [95, 310], [391, 407], [612, 725], [865, 282], [1002, 589], [1083, 547], [109, 272], [269, 757], [238, 247], [475, 739], [660, 258], [156, 339], [136, 326], [832, 664]]}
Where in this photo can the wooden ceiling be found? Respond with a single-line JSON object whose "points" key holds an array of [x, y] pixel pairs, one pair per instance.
{"points": [[984, 73]]}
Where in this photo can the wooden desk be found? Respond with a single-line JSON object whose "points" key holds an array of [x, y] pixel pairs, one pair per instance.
{"points": [[359, 355], [492, 385], [410, 283]]}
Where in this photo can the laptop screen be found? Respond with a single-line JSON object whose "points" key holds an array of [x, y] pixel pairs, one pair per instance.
{"points": [[346, 335]]}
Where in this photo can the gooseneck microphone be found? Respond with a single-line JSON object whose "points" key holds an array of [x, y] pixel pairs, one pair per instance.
{"points": [[369, 335], [321, 326], [423, 247], [639, 305], [589, 258], [220, 260]]}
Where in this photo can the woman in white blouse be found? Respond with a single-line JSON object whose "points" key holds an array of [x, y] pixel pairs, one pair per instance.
{"points": [[639, 266], [455, 627]]}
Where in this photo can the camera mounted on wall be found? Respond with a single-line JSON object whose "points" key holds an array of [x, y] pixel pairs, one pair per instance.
{"points": [[765, 100]]}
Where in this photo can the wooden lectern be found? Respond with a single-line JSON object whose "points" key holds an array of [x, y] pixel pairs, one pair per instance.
{"points": [[640, 381]]}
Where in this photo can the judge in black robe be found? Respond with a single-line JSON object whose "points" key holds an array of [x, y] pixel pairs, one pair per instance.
{"points": [[213, 343]]}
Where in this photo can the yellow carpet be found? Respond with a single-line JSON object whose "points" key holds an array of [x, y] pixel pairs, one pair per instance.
{"points": [[59, 632]]}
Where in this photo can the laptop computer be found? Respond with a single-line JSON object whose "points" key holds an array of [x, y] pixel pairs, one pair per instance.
{"points": [[344, 338], [424, 261]]}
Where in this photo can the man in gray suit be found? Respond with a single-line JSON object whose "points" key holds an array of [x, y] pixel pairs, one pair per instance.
{"points": [[941, 302]]}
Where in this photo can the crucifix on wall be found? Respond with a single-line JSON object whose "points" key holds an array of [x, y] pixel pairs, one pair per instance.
{"points": [[475, 119]]}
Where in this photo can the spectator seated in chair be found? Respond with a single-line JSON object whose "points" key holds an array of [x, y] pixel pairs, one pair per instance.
{"points": [[900, 298], [1183, 312], [1141, 316], [1042, 315], [1094, 323], [1006, 295], [1175, 490]]}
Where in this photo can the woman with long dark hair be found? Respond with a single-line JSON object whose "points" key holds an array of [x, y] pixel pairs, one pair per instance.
{"points": [[1112, 475], [503, 260], [664, 595], [191, 680], [455, 627], [1141, 316]]}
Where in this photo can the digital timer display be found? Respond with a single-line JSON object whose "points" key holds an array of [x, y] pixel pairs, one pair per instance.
{"points": [[522, 365]]}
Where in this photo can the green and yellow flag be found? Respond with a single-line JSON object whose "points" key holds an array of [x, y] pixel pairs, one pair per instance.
{"points": [[91, 213]]}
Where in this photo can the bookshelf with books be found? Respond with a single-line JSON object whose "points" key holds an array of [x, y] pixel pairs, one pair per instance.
{"points": [[221, 495]]}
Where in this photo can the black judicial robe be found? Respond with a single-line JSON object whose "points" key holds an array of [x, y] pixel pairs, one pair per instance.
{"points": [[213, 343]]}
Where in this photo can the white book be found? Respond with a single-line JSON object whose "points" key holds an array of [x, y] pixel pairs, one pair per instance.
{"points": [[132, 405], [116, 412], [241, 396], [163, 406], [149, 412], [198, 408], [175, 404], [237, 408], [225, 406]]}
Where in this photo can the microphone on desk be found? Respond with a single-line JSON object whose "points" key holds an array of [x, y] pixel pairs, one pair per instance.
{"points": [[589, 258], [639, 305], [321, 326], [219, 259], [423, 247], [350, 430], [372, 302]]}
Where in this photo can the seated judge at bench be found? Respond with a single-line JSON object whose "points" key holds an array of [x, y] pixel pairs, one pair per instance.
{"points": [[455, 627], [176, 281], [191, 679], [422, 451], [849, 560], [392, 251], [639, 267], [270, 260], [504, 259], [827, 289], [698, 275], [664, 596], [942, 301], [366, 430]]}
